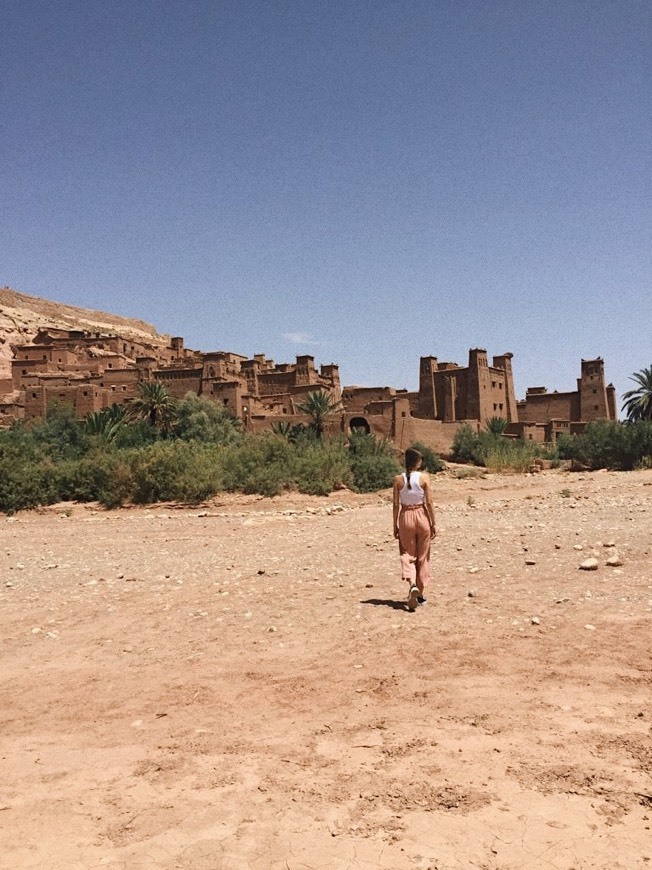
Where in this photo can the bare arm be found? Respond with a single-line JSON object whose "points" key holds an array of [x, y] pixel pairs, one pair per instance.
{"points": [[427, 501], [398, 483]]}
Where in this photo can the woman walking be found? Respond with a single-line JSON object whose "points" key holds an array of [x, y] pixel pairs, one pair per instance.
{"points": [[414, 525]]}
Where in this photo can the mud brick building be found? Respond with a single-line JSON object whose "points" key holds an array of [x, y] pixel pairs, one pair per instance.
{"points": [[91, 370]]}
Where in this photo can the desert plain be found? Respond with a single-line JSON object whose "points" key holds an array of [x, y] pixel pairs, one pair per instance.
{"points": [[239, 686]]}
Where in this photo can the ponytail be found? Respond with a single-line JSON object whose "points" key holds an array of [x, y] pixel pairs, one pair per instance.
{"points": [[412, 458]]}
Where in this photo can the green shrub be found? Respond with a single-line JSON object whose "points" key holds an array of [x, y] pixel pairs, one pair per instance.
{"points": [[26, 484], [467, 446], [372, 461], [371, 473], [322, 466], [502, 455], [59, 434], [103, 475], [261, 464], [363, 443], [496, 452], [613, 445], [200, 419], [174, 471]]}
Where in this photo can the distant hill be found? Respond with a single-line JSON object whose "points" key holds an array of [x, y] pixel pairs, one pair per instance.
{"points": [[21, 316]]}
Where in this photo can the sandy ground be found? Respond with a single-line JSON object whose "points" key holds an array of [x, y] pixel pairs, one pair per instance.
{"points": [[239, 686]]}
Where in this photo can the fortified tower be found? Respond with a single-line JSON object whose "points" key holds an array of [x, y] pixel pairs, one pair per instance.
{"points": [[478, 395], [504, 362], [593, 392], [427, 396]]}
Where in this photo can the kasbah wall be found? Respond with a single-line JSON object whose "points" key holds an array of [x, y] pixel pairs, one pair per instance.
{"points": [[91, 370]]}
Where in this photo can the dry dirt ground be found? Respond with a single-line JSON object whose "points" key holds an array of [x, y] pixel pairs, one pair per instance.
{"points": [[239, 687]]}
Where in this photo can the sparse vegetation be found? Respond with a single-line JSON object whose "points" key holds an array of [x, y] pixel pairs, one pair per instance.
{"points": [[186, 452], [495, 452], [618, 446], [115, 458]]}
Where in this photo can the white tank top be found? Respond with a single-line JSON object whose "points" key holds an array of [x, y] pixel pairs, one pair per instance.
{"points": [[415, 494]]}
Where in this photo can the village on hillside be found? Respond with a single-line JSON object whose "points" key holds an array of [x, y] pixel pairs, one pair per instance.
{"points": [[94, 369]]}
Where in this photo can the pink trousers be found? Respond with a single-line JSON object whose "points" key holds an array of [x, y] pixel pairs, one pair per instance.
{"points": [[414, 545]]}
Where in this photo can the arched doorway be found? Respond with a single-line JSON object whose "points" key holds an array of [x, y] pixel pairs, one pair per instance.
{"points": [[359, 423]]}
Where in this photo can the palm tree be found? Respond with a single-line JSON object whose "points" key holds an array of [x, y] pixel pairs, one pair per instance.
{"points": [[496, 425], [638, 403], [287, 430], [318, 406], [105, 423], [154, 405]]}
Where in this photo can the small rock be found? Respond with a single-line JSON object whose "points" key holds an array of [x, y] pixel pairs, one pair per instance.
{"points": [[614, 561], [530, 562], [589, 627], [578, 547], [37, 630], [473, 570], [589, 564], [471, 593], [535, 620]]}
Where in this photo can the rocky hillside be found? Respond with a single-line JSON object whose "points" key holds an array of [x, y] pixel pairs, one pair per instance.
{"points": [[21, 316]]}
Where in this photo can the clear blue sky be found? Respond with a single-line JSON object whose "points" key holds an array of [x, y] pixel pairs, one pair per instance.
{"points": [[363, 180]]}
